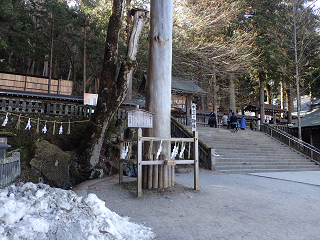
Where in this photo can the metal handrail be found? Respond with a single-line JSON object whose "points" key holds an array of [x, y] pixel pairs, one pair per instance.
{"points": [[307, 149]]}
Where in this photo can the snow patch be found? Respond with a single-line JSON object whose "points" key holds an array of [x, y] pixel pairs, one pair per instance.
{"points": [[37, 211]]}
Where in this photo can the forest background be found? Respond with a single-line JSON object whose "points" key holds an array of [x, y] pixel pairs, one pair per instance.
{"points": [[226, 47], [231, 49]]}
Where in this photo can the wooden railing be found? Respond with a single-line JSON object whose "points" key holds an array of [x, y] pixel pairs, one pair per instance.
{"points": [[205, 153], [9, 169], [45, 107]]}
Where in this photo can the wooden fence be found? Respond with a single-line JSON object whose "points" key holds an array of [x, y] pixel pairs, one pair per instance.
{"points": [[29, 83], [37, 106], [9, 169], [167, 179]]}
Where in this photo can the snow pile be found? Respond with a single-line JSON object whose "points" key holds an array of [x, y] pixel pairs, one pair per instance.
{"points": [[37, 211]]}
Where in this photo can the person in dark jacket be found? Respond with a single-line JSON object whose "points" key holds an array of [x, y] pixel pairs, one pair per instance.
{"points": [[233, 121], [212, 120]]}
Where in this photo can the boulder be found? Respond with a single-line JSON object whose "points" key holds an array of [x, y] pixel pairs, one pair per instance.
{"points": [[52, 163]]}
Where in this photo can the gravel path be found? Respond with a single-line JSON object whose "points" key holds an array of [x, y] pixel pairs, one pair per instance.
{"points": [[228, 206]]}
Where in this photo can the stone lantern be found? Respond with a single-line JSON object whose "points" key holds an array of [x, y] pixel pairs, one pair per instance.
{"points": [[3, 143]]}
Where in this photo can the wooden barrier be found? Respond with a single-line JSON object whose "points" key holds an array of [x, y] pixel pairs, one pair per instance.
{"points": [[140, 162], [9, 169], [29, 83], [45, 107]]}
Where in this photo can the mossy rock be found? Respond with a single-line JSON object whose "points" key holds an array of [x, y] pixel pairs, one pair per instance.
{"points": [[52, 163]]}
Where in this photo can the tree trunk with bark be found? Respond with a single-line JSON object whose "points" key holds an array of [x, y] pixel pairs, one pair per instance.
{"points": [[113, 85], [262, 109], [232, 93], [282, 97], [51, 53], [158, 87], [215, 92], [85, 55], [289, 103]]}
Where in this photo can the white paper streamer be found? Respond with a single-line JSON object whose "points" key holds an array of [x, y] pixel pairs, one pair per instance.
{"points": [[44, 129], [174, 151], [182, 150], [159, 150], [61, 129], [28, 125], [125, 151], [5, 121]]}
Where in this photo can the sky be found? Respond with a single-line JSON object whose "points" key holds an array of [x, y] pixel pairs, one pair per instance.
{"points": [[36, 211]]}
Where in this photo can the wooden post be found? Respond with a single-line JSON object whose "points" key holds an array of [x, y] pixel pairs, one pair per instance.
{"points": [[213, 159], [196, 161], [158, 86], [121, 163], [155, 176], [25, 83], [160, 173], [139, 165]]}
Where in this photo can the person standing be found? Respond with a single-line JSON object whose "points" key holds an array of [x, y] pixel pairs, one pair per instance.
{"points": [[258, 124], [225, 121], [254, 125], [242, 123], [229, 117], [233, 121], [212, 120]]}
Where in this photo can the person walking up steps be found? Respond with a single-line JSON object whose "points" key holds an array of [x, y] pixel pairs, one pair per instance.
{"points": [[234, 122], [243, 123], [225, 121]]}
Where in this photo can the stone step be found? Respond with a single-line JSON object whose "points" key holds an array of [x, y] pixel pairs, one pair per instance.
{"points": [[255, 154], [284, 167], [252, 151], [267, 164], [265, 170], [262, 160]]}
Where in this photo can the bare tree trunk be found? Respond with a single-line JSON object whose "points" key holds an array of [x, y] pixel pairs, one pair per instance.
{"points": [[128, 26], [200, 82], [311, 95], [85, 55], [232, 93], [289, 103], [268, 89], [112, 91], [262, 109], [51, 53], [215, 91], [297, 75], [282, 96], [158, 87], [139, 20]]}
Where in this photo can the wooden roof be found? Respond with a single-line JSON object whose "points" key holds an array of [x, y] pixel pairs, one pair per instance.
{"points": [[255, 107]]}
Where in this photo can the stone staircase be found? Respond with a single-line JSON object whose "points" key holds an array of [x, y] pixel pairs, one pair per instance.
{"points": [[252, 151]]}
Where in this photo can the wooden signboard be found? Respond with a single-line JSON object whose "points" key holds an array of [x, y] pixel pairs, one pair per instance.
{"points": [[140, 119], [194, 117]]}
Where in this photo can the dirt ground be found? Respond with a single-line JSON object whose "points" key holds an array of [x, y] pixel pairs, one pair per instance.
{"points": [[227, 206]]}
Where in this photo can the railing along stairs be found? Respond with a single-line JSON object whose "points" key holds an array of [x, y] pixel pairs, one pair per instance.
{"points": [[206, 154], [307, 149]]}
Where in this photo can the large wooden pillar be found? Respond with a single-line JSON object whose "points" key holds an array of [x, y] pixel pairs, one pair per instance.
{"points": [[158, 86]]}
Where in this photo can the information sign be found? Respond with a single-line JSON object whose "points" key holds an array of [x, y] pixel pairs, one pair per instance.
{"points": [[140, 119], [194, 117]]}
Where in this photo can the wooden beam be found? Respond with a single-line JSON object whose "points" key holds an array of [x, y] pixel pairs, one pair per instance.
{"points": [[139, 167], [196, 161]]}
